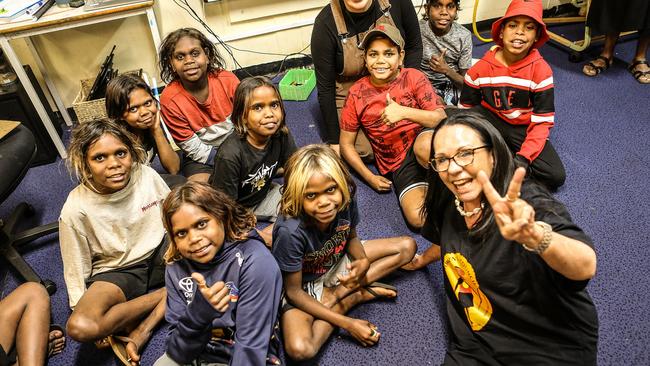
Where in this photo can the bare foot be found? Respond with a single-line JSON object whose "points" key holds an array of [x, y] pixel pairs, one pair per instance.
{"points": [[138, 338], [429, 256], [419, 261], [416, 263], [56, 342]]}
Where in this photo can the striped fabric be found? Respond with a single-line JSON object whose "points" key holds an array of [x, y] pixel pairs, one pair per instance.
{"points": [[521, 94]]}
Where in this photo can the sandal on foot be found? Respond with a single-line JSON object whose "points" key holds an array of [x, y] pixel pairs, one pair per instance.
{"points": [[639, 74], [102, 343], [118, 344], [381, 285], [51, 351], [597, 69]]}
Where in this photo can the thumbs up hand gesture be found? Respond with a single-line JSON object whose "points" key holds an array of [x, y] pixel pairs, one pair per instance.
{"points": [[438, 63], [218, 295], [392, 113]]}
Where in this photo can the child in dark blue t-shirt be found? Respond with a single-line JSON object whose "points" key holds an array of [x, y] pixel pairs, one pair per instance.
{"points": [[223, 285], [325, 267]]}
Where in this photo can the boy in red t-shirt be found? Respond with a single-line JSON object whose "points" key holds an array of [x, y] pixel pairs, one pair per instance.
{"points": [[392, 105], [512, 86]]}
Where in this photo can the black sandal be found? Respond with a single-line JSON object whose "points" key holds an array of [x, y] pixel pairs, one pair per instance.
{"points": [[596, 68], [639, 74]]}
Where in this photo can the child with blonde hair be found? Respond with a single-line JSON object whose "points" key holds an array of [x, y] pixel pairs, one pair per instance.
{"points": [[326, 268]]}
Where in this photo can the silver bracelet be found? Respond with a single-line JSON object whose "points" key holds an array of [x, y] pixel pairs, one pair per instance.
{"points": [[546, 239]]}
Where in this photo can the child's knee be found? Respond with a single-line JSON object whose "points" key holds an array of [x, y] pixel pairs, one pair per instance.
{"points": [[34, 294], [82, 328], [300, 349], [408, 247]]}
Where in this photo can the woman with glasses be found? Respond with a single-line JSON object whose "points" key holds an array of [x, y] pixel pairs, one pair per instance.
{"points": [[515, 265]]}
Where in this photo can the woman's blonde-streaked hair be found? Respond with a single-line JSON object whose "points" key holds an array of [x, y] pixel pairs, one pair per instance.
{"points": [[308, 160], [242, 101], [87, 133], [237, 221]]}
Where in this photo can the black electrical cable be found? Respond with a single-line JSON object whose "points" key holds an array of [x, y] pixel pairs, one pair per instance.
{"points": [[183, 4]]}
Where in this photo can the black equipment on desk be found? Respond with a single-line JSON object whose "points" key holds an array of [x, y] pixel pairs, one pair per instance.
{"points": [[106, 73]]}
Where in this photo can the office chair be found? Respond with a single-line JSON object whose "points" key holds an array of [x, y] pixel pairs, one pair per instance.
{"points": [[17, 149]]}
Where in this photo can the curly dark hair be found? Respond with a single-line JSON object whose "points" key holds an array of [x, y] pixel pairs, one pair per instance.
{"points": [[237, 220], [168, 45], [87, 133], [429, 3]]}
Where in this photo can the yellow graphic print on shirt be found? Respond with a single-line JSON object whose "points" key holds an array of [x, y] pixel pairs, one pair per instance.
{"points": [[464, 283]]}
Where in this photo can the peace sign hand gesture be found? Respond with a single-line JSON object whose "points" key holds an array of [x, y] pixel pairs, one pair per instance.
{"points": [[514, 216]]}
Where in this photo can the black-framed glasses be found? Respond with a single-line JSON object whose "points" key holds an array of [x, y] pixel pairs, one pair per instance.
{"points": [[462, 158]]}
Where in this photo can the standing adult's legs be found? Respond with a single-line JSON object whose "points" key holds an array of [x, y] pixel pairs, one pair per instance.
{"points": [[639, 66], [604, 60]]}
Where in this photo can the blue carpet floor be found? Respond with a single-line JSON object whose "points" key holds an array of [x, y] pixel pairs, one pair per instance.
{"points": [[601, 134]]}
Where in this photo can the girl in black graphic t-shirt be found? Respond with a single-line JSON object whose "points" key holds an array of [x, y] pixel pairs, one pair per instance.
{"points": [[254, 154]]}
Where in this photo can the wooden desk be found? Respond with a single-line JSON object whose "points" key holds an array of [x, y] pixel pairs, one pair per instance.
{"points": [[56, 19]]}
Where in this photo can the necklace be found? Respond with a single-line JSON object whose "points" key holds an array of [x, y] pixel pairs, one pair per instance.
{"points": [[467, 214]]}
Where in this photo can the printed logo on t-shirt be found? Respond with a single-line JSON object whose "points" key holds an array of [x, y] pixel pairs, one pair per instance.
{"points": [[258, 180], [186, 284], [464, 284], [320, 261], [150, 205], [234, 291]]}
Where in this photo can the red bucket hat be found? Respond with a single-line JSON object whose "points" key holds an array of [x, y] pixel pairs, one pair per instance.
{"points": [[529, 8]]}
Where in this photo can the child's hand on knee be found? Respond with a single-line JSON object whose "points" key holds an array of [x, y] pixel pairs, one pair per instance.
{"points": [[218, 295], [356, 275], [364, 331]]}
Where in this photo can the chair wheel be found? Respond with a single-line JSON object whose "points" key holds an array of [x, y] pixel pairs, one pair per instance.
{"points": [[49, 286], [575, 57]]}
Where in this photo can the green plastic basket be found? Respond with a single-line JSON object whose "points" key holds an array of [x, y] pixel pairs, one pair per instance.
{"points": [[297, 84]]}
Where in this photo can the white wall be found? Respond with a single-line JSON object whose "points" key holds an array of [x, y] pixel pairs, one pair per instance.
{"points": [[272, 26]]}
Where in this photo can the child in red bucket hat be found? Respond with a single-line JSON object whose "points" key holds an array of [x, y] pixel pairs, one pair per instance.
{"points": [[529, 8], [512, 86]]}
